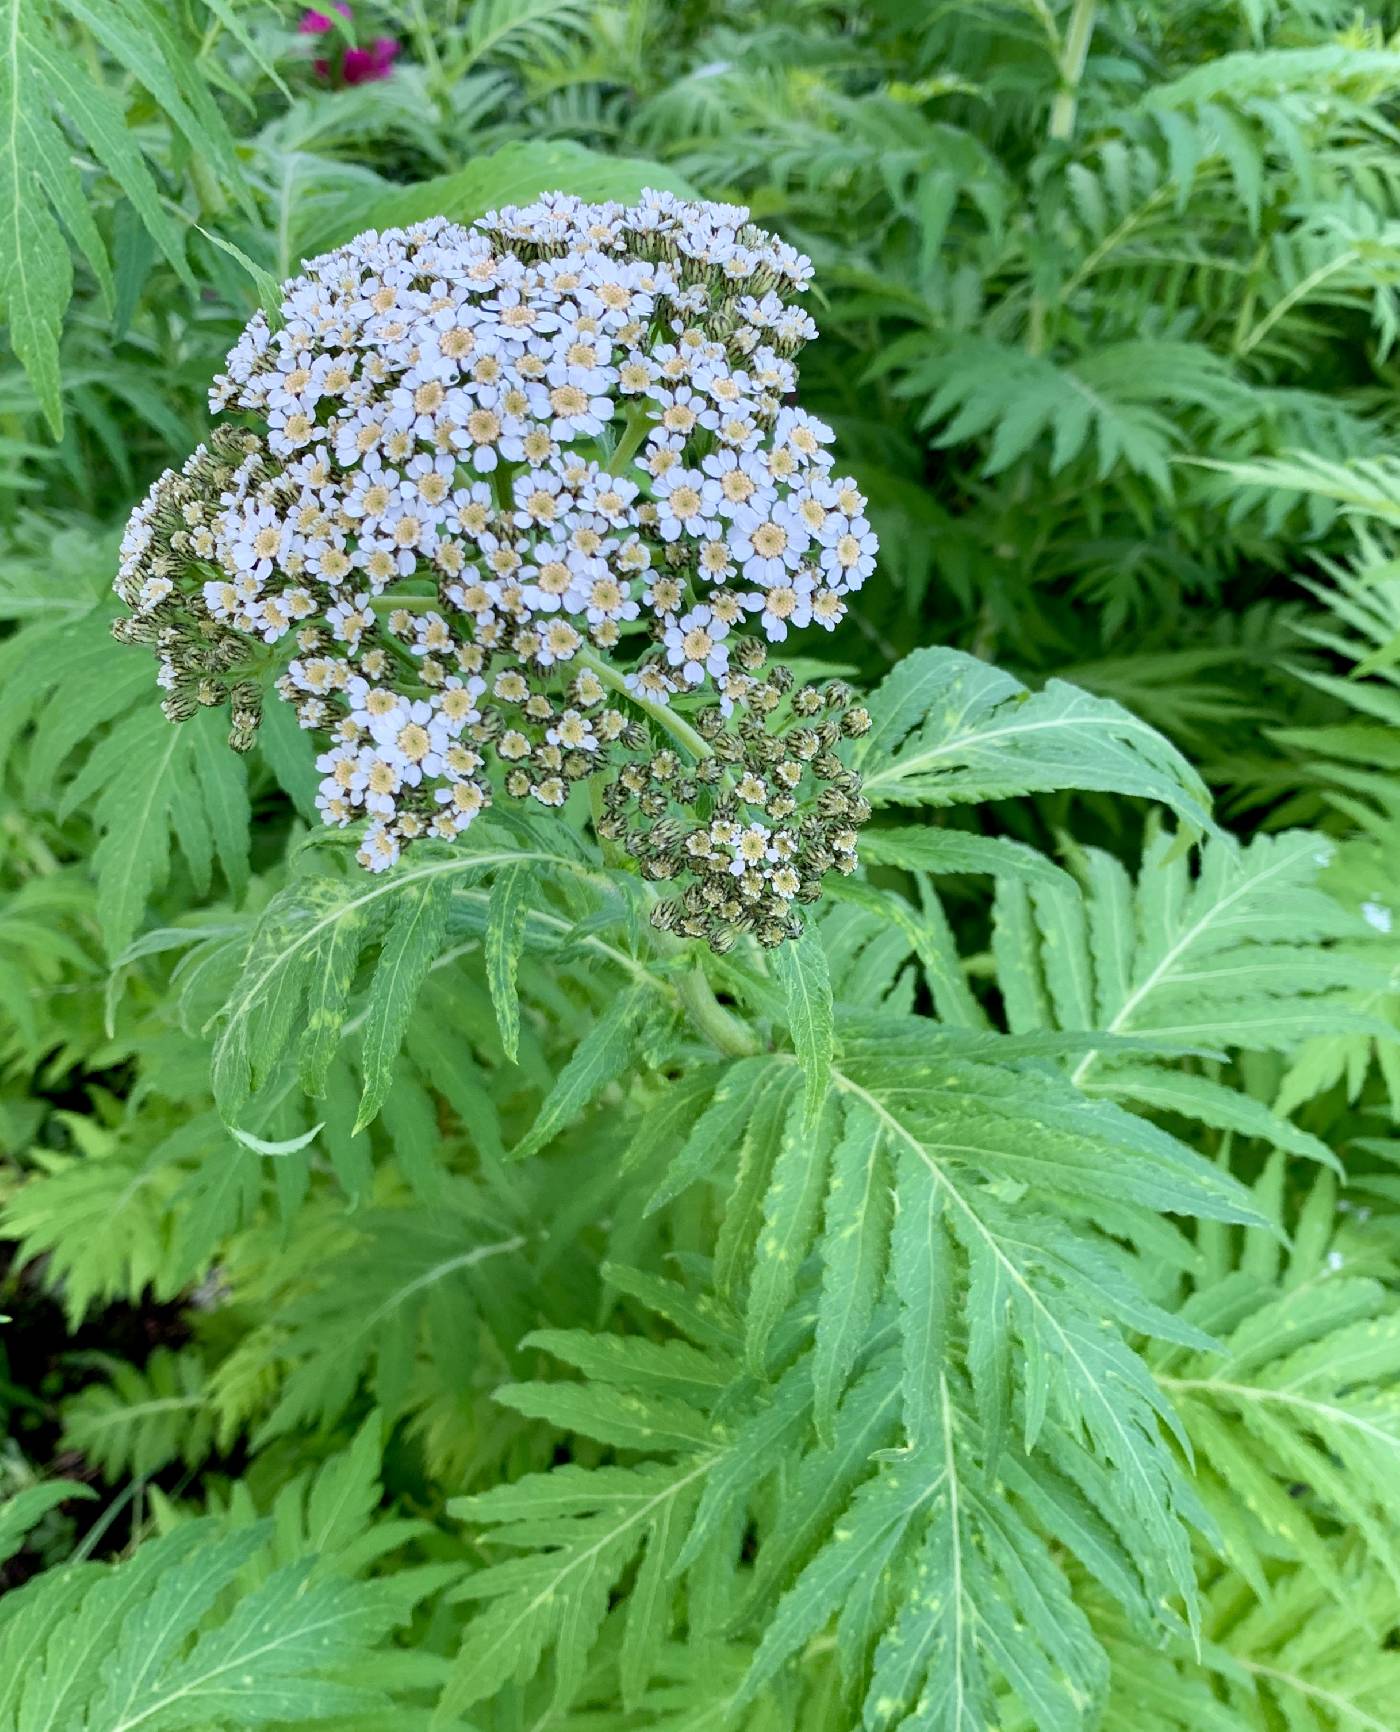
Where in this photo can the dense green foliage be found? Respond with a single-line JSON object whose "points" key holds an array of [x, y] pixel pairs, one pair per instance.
{"points": [[438, 1300]]}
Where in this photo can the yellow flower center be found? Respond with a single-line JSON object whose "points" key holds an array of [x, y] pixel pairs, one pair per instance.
{"points": [[413, 742]]}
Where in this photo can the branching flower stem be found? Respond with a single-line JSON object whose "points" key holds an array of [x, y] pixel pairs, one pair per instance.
{"points": [[634, 430], [664, 717]]}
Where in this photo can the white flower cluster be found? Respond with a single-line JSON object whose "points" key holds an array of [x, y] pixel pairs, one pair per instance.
{"points": [[496, 464], [782, 810]]}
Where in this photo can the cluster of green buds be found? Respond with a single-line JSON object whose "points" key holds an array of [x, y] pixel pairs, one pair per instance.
{"points": [[168, 548], [749, 830]]}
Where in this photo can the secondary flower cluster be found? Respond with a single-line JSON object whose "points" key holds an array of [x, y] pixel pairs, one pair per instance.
{"points": [[169, 539], [503, 477], [754, 825]]}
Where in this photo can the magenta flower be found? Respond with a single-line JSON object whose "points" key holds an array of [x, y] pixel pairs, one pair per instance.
{"points": [[357, 65], [318, 23], [365, 65]]}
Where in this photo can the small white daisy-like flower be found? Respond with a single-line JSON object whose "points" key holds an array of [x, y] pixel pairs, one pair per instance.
{"points": [[685, 502], [847, 551], [573, 733], [780, 606], [695, 644], [768, 542], [379, 850]]}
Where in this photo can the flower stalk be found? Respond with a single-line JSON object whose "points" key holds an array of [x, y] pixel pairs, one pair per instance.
{"points": [[719, 1026], [665, 718]]}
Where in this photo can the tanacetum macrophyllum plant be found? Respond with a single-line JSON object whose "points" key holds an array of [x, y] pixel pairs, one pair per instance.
{"points": [[675, 1249], [502, 479]]}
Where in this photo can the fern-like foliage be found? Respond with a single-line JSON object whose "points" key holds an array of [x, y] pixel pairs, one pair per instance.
{"points": [[950, 729], [96, 1215], [159, 1641], [251, 1617], [95, 745], [927, 1291], [136, 1421], [416, 1278], [1297, 1434], [1236, 956], [45, 87], [1306, 1371], [1108, 403], [1049, 1396]]}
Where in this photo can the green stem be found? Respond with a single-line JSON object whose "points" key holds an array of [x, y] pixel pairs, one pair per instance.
{"points": [[425, 46], [711, 1018], [212, 202], [1073, 53], [634, 431], [392, 600], [664, 717], [1072, 58]]}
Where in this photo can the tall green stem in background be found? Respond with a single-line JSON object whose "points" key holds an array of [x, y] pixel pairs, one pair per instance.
{"points": [[1073, 54]]}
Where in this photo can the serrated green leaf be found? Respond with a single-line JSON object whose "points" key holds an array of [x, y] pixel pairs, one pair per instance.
{"points": [[923, 848], [791, 1207], [412, 941], [601, 1055], [598, 1521], [948, 729], [505, 942], [801, 965], [23, 1511], [854, 1242], [713, 1132]]}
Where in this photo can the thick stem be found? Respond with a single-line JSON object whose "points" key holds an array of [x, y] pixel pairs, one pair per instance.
{"points": [[718, 1025], [634, 430], [1073, 52], [665, 718]]}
